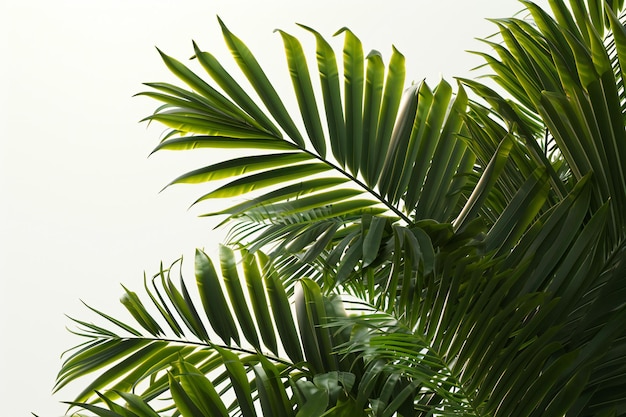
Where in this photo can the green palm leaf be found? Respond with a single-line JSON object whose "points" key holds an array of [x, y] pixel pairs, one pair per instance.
{"points": [[390, 157], [161, 367], [486, 365]]}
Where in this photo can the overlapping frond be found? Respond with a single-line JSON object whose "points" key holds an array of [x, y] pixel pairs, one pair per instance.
{"points": [[224, 351], [560, 70], [482, 240], [504, 335], [566, 72]]}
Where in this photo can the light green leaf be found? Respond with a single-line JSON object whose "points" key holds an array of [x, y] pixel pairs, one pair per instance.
{"points": [[216, 100], [392, 95], [265, 179], [234, 90], [254, 281], [329, 78], [214, 142], [213, 299], [281, 311], [241, 385], [354, 68], [237, 300], [252, 70], [374, 82], [196, 392], [301, 79]]}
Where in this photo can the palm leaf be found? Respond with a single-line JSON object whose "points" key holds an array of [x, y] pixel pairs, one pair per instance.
{"points": [[195, 374], [497, 345], [398, 140]]}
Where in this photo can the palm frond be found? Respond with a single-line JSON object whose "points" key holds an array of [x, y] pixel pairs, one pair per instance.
{"points": [[220, 351], [378, 145], [560, 70], [206, 330], [480, 338]]}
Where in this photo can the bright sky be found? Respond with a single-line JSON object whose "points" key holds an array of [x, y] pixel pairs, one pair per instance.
{"points": [[81, 210]]}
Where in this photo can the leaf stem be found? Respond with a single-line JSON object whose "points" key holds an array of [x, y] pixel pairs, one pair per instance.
{"points": [[212, 345], [354, 179]]}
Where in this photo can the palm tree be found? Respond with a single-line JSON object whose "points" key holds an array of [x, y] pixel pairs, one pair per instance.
{"points": [[456, 250]]}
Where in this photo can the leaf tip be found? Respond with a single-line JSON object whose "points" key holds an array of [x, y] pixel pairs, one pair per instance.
{"points": [[374, 54], [308, 28], [222, 25], [163, 54], [397, 51], [342, 30]]}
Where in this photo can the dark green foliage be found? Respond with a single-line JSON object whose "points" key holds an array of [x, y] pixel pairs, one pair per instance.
{"points": [[454, 251]]}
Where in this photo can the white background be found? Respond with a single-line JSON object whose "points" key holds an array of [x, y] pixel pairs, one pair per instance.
{"points": [[80, 205]]}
